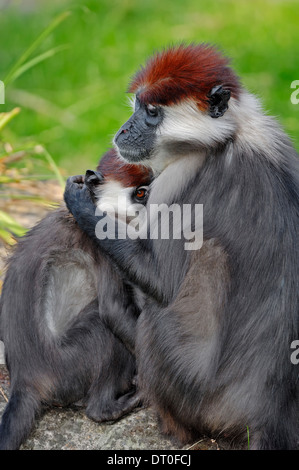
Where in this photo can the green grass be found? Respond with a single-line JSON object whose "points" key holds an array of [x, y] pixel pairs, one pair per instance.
{"points": [[73, 97]]}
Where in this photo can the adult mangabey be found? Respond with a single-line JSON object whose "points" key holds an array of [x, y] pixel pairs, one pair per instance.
{"points": [[213, 340], [67, 317]]}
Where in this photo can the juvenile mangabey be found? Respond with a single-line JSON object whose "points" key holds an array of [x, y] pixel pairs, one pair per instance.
{"points": [[67, 317], [213, 341]]}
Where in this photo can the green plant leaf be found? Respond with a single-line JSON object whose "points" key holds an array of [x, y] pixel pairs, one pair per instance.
{"points": [[6, 237], [248, 439], [36, 60], [39, 149], [56, 22], [9, 227], [5, 118]]}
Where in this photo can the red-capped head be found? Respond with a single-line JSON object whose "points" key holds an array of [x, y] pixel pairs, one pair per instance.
{"points": [[182, 100], [184, 72], [114, 168]]}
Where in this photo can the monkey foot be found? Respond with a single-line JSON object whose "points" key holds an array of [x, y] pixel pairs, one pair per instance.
{"points": [[114, 409]]}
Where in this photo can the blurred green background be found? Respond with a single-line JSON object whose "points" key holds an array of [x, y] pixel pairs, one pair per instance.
{"points": [[74, 101]]}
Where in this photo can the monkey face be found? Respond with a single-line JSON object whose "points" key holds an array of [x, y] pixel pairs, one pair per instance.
{"points": [[136, 139], [155, 135]]}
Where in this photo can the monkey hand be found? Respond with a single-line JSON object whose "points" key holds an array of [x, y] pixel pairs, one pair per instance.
{"points": [[78, 198]]}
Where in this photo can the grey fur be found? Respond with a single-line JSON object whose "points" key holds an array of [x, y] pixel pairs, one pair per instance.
{"points": [[68, 322], [213, 340]]}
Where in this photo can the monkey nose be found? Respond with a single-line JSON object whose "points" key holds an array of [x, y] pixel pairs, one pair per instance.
{"points": [[121, 134]]}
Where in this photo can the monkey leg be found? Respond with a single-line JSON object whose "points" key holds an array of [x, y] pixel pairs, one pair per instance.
{"points": [[18, 418], [94, 364], [114, 393]]}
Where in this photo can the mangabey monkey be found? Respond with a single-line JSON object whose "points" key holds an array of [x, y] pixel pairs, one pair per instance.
{"points": [[213, 341], [67, 317]]}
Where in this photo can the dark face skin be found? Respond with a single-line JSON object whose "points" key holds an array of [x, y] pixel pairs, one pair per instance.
{"points": [[136, 138]]}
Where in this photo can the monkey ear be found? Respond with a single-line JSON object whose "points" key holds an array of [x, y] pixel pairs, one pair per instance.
{"points": [[218, 99]]}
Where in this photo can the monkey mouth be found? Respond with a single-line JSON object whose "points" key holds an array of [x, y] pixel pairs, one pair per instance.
{"points": [[133, 155]]}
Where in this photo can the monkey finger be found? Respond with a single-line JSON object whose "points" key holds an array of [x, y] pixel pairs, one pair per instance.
{"points": [[93, 178], [77, 181]]}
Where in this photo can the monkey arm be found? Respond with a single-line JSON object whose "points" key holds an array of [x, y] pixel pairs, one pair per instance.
{"points": [[150, 264], [118, 310]]}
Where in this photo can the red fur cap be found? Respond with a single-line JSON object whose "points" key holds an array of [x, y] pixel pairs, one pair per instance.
{"points": [[184, 72], [113, 168]]}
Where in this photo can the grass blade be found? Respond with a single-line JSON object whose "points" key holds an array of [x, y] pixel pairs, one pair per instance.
{"points": [[5, 118], [6, 237], [41, 150], [38, 59], [9, 228], [248, 440], [43, 106], [48, 30]]}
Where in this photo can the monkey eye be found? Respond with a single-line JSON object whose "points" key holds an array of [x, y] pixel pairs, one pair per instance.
{"points": [[152, 110], [140, 193]]}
